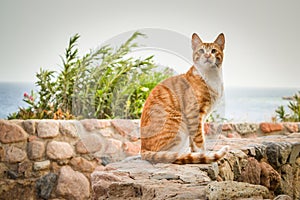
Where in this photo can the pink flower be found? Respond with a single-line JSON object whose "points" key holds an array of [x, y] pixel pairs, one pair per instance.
{"points": [[26, 95], [31, 98]]}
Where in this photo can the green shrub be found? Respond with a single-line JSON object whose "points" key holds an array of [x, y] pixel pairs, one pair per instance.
{"points": [[105, 83], [294, 107]]}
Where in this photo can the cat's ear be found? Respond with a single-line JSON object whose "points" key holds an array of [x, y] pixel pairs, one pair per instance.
{"points": [[220, 40], [196, 41]]}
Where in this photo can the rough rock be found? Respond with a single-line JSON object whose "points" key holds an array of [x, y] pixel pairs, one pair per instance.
{"points": [[59, 150], [245, 128], [131, 149], [42, 165], [113, 146], [233, 135], [283, 197], [48, 129], [233, 190], [45, 185], [260, 151], [83, 165], [278, 153], [14, 154], [30, 126], [294, 135], [251, 172], [91, 124], [36, 149], [90, 143], [295, 152], [113, 150], [227, 127], [3, 170], [270, 178], [2, 154], [291, 127], [126, 128], [289, 179], [270, 127], [139, 179], [68, 128], [10, 133], [17, 189], [25, 169], [225, 171], [230, 166], [72, 185]]}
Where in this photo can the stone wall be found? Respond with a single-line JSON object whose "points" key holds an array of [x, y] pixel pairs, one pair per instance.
{"points": [[48, 159]]}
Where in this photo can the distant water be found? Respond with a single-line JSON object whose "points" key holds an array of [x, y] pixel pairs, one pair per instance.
{"points": [[11, 95], [241, 104], [255, 104]]}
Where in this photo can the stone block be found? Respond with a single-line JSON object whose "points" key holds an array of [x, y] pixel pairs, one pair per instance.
{"points": [[225, 190], [245, 128], [17, 189], [113, 147], [25, 169], [83, 165], [42, 165], [10, 133], [36, 150], [126, 128], [68, 128], [260, 151], [72, 184], [278, 153], [2, 154], [270, 127], [227, 127], [234, 135], [225, 171], [131, 149], [294, 135], [90, 143], [15, 154], [283, 197], [90, 124], [291, 127], [45, 185], [59, 150], [295, 152], [270, 178], [104, 123], [48, 129], [288, 182], [138, 179], [251, 172], [30, 126], [3, 170]]}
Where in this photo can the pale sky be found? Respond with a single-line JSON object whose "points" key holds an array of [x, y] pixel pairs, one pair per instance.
{"points": [[262, 36]]}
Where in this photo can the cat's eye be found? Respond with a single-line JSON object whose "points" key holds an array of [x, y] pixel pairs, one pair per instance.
{"points": [[213, 51], [201, 50]]}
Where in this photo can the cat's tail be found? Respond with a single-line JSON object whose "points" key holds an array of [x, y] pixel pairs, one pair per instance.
{"points": [[187, 158]]}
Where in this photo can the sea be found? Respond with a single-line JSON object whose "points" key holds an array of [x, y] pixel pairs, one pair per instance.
{"points": [[241, 104]]}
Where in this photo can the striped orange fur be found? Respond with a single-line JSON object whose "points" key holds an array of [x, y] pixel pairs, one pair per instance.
{"points": [[173, 115]]}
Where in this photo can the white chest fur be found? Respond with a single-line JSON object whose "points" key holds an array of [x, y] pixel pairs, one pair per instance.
{"points": [[213, 78]]}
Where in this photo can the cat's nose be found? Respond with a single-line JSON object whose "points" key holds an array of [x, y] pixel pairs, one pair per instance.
{"points": [[207, 55]]}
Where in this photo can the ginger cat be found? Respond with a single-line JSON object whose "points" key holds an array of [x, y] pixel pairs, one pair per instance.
{"points": [[172, 120]]}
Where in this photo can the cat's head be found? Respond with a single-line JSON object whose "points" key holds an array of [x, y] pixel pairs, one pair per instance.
{"points": [[208, 56]]}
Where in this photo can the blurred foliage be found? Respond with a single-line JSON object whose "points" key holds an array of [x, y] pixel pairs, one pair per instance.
{"points": [[106, 83], [215, 117], [294, 110]]}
